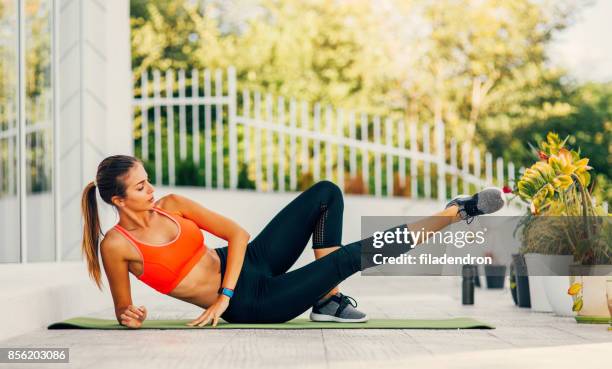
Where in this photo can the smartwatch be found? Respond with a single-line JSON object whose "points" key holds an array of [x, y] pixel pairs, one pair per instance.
{"points": [[226, 291]]}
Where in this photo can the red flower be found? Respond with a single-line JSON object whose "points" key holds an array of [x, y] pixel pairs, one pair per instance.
{"points": [[507, 189], [542, 155]]}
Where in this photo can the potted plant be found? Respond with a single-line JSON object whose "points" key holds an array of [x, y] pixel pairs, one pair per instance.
{"points": [[495, 273], [562, 220], [548, 257]]}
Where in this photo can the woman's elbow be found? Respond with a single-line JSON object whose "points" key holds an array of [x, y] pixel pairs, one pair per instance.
{"points": [[245, 234], [241, 235]]}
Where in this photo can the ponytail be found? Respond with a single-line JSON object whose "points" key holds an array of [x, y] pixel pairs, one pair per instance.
{"points": [[91, 233], [109, 182]]}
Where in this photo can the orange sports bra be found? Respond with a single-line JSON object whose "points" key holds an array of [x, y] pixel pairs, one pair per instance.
{"points": [[165, 265]]}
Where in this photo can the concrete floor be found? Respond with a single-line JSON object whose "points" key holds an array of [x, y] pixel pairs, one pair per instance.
{"points": [[522, 338]]}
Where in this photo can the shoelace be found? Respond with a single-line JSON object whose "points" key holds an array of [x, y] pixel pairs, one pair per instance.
{"points": [[463, 215], [349, 300]]}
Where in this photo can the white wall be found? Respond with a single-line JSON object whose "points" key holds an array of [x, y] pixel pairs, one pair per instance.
{"points": [[95, 96]]}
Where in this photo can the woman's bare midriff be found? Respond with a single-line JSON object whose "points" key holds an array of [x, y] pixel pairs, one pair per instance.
{"points": [[200, 286]]}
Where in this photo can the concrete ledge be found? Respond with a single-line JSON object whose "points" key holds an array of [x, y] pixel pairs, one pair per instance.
{"points": [[37, 294]]}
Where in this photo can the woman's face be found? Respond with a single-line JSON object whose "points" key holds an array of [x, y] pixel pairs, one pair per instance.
{"points": [[138, 190]]}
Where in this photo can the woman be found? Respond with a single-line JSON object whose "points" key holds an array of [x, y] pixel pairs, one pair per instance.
{"points": [[161, 243]]}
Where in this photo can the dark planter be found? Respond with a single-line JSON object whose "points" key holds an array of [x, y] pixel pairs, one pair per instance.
{"points": [[496, 275], [522, 281], [513, 283]]}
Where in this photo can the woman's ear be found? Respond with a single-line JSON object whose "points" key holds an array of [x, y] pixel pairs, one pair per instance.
{"points": [[117, 201]]}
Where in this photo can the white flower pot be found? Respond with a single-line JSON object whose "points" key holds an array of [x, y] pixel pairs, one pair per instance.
{"points": [[546, 286], [556, 291], [593, 279], [557, 283], [537, 293]]}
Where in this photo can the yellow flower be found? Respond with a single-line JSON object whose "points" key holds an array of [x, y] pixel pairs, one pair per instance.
{"points": [[574, 288], [553, 144], [562, 162], [563, 181]]}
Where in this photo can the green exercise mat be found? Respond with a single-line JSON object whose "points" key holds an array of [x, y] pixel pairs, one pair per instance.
{"points": [[453, 323], [585, 319]]}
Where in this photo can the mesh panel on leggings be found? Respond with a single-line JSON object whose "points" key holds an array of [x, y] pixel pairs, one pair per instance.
{"points": [[318, 236]]}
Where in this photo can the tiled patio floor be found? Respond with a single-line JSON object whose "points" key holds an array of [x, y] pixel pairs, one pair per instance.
{"points": [[522, 338]]}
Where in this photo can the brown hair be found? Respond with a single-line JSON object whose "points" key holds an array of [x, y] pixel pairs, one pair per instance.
{"points": [[109, 181]]}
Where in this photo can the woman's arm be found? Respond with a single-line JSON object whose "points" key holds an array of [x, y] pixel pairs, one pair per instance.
{"points": [[226, 229], [222, 227], [116, 269]]}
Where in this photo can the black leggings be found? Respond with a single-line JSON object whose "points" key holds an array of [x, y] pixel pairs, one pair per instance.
{"points": [[265, 291]]}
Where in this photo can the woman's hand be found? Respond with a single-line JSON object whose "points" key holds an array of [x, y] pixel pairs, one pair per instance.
{"points": [[133, 316], [213, 312]]}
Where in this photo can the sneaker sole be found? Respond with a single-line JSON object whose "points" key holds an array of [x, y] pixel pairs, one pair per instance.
{"points": [[329, 318]]}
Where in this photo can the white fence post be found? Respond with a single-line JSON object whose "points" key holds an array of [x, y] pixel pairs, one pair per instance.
{"points": [[246, 114], [465, 167], [389, 156], [377, 168], [352, 151], [441, 161], [413, 162], [316, 142], [500, 171], [170, 127], [305, 125], [208, 129], [511, 174], [328, 150], [195, 116], [427, 161], [401, 127], [258, 173], [292, 145], [340, 148], [269, 144], [453, 158], [477, 166], [233, 132], [182, 115], [365, 161], [489, 167], [219, 127], [144, 109], [281, 144], [158, 138]]}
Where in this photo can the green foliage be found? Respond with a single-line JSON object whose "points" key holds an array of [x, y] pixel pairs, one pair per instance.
{"points": [[243, 178], [480, 66], [589, 126], [187, 174]]}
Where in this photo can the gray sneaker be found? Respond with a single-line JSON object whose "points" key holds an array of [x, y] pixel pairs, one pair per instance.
{"points": [[487, 201], [337, 308]]}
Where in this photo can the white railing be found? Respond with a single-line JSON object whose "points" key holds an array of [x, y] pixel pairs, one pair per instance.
{"points": [[295, 132]]}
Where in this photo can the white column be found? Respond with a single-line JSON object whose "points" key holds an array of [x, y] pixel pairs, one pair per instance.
{"points": [[95, 115]]}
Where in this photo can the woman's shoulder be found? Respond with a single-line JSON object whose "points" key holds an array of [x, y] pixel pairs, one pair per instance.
{"points": [[170, 203], [114, 243]]}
